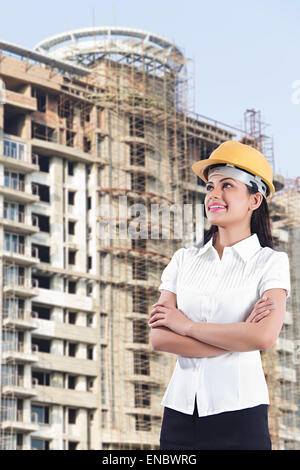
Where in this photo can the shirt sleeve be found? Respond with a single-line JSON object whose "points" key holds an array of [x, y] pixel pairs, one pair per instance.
{"points": [[277, 274], [170, 273]]}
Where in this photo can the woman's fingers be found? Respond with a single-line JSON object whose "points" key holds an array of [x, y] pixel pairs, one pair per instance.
{"points": [[155, 317], [263, 309], [260, 317], [157, 310], [263, 305], [264, 302], [256, 318]]}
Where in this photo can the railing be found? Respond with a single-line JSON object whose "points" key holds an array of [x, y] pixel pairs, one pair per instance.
{"points": [[14, 216], [20, 217], [14, 149], [12, 183], [12, 414], [19, 346], [20, 313], [21, 281], [21, 249], [17, 380], [19, 185], [13, 345]]}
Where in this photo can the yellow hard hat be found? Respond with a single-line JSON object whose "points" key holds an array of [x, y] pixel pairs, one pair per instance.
{"points": [[240, 156]]}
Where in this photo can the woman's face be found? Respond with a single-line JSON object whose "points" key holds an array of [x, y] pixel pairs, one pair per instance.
{"points": [[228, 192]]}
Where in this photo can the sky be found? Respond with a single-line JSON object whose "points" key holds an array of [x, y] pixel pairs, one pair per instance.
{"points": [[243, 54]]}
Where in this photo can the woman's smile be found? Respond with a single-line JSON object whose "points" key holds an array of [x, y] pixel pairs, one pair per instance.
{"points": [[214, 209]]}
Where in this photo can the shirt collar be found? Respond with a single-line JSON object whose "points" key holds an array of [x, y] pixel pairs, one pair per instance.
{"points": [[245, 248]]}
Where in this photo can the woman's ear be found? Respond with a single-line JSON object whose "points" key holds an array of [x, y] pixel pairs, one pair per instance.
{"points": [[256, 200]]}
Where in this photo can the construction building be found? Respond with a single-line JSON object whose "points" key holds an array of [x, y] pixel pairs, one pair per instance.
{"points": [[90, 118], [283, 359]]}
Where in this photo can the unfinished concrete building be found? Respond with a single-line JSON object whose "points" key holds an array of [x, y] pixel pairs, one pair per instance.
{"points": [[86, 118], [283, 361]]}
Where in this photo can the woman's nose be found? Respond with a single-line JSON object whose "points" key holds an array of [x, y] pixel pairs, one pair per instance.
{"points": [[215, 191]]}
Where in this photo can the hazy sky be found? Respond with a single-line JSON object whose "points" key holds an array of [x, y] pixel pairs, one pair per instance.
{"points": [[245, 54]]}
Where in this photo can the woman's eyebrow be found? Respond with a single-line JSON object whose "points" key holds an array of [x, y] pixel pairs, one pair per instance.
{"points": [[221, 180]]}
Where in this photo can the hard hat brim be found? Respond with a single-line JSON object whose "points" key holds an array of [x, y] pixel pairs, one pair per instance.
{"points": [[200, 167]]}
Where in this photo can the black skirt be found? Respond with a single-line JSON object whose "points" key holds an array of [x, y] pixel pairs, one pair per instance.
{"points": [[245, 429]]}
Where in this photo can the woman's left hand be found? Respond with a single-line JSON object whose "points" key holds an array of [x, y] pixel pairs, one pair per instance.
{"points": [[170, 317]]}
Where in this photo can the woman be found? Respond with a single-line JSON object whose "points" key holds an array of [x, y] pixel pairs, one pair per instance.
{"points": [[220, 305]]}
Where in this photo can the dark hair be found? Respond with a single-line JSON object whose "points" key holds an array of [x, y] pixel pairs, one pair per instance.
{"points": [[259, 224]]}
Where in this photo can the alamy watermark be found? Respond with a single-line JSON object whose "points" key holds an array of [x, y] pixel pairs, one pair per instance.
{"points": [[154, 221]]}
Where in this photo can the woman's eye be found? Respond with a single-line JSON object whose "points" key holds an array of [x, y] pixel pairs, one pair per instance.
{"points": [[210, 186]]}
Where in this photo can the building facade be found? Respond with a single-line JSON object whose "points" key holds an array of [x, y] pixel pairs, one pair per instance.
{"points": [[95, 132]]}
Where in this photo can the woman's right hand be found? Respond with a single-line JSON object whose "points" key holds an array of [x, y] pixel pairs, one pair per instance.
{"points": [[261, 309]]}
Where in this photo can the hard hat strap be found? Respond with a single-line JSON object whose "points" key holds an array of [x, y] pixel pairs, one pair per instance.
{"points": [[239, 174]]}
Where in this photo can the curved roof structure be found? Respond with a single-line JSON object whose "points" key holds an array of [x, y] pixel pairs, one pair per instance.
{"points": [[83, 46]]}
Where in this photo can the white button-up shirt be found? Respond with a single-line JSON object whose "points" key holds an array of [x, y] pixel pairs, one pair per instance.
{"points": [[221, 291]]}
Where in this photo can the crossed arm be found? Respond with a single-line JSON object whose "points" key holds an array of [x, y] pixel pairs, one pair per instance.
{"points": [[211, 339], [164, 339]]}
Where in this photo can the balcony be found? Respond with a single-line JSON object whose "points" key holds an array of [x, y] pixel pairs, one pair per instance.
{"points": [[69, 364], [15, 156], [67, 397], [147, 143], [21, 285], [20, 318], [18, 252], [14, 190], [16, 351], [19, 223], [20, 101], [15, 149], [15, 385], [48, 147], [15, 421], [154, 410]]}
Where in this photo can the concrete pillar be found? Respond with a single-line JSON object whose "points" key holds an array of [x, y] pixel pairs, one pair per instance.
{"points": [[81, 383], [56, 218], [57, 347], [57, 427]]}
